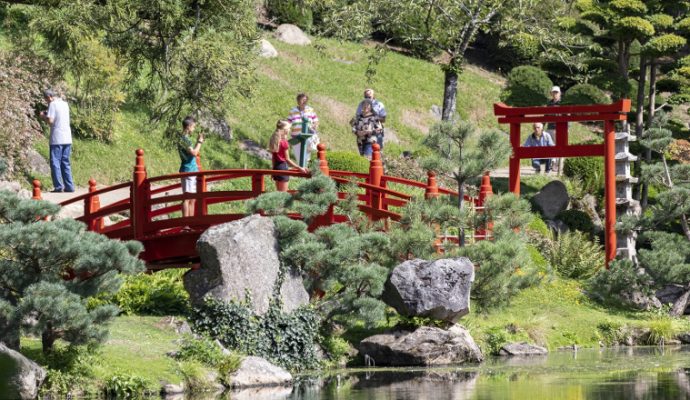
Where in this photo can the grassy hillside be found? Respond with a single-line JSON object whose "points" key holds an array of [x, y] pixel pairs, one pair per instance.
{"points": [[333, 74]]}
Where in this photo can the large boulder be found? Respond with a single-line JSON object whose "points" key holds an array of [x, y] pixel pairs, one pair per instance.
{"points": [[291, 34], [20, 378], [552, 199], [36, 163], [216, 125], [266, 49], [258, 372], [425, 346], [522, 349], [240, 257], [676, 295], [438, 289]]}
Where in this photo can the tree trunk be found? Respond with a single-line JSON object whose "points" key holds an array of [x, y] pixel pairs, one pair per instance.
{"points": [[650, 116], [450, 93], [461, 198], [48, 338], [9, 333], [639, 119]]}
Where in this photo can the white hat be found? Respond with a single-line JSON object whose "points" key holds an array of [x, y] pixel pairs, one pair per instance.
{"points": [[555, 89]]}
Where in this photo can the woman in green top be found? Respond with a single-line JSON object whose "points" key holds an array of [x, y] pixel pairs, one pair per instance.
{"points": [[188, 153]]}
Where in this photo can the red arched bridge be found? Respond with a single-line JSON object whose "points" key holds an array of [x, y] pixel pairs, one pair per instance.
{"points": [[151, 213]]}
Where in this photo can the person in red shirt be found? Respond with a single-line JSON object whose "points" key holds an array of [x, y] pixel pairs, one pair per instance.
{"points": [[278, 146]]}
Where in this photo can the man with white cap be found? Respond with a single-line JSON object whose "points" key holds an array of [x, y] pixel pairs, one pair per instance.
{"points": [[551, 126]]}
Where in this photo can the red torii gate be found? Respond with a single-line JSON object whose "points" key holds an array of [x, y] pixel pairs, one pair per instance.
{"points": [[561, 115]]}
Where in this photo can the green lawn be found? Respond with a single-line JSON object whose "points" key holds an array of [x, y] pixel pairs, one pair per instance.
{"points": [[556, 314], [137, 346]]}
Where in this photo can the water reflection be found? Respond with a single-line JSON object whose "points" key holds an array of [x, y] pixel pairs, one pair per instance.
{"points": [[611, 374]]}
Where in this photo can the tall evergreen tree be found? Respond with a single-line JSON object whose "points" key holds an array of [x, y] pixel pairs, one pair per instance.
{"points": [[456, 155], [49, 270]]}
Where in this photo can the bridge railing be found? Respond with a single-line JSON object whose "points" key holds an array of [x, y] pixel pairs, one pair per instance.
{"points": [[154, 203]]}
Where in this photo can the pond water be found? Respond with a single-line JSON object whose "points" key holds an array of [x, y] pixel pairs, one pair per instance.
{"points": [[622, 373]]}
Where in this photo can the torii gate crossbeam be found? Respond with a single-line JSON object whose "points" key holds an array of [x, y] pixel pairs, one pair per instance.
{"points": [[561, 115]]}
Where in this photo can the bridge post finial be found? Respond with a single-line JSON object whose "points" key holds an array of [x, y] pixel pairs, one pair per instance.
{"points": [[139, 201], [91, 205], [323, 162], [375, 175], [37, 190], [485, 191], [431, 190]]}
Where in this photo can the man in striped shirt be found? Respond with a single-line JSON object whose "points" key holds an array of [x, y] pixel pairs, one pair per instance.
{"points": [[299, 116]]}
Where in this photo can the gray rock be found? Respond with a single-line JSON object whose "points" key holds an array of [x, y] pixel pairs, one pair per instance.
{"points": [[522, 349], [15, 187], [640, 301], [258, 372], [439, 289], [425, 346], [552, 199], [588, 204], [10, 186], [36, 163], [557, 226], [20, 378], [240, 257], [170, 388], [676, 295], [255, 149], [216, 126], [291, 34], [266, 49], [684, 337]]}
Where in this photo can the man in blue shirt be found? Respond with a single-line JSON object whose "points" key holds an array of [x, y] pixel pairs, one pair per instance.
{"points": [[539, 138], [188, 153]]}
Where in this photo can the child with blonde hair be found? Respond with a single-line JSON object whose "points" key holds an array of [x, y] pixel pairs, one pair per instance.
{"points": [[278, 146]]}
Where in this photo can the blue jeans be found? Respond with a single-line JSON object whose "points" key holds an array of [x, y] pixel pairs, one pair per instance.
{"points": [[537, 162], [60, 169], [365, 148]]}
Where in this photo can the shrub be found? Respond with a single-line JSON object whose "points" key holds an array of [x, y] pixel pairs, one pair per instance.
{"points": [[611, 332], [290, 12], [194, 376], [660, 330], [347, 161], [496, 338], [128, 386], [286, 339], [537, 225], [161, 293], [504, 269], [204, 350], [584, 93], [668, 85], [576, 220], [589, 170], [615, 285], [527, 86], [573, 255]]}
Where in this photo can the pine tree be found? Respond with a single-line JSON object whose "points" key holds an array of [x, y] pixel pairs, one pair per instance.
{"points": [[49, 270], [455, 156]]}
